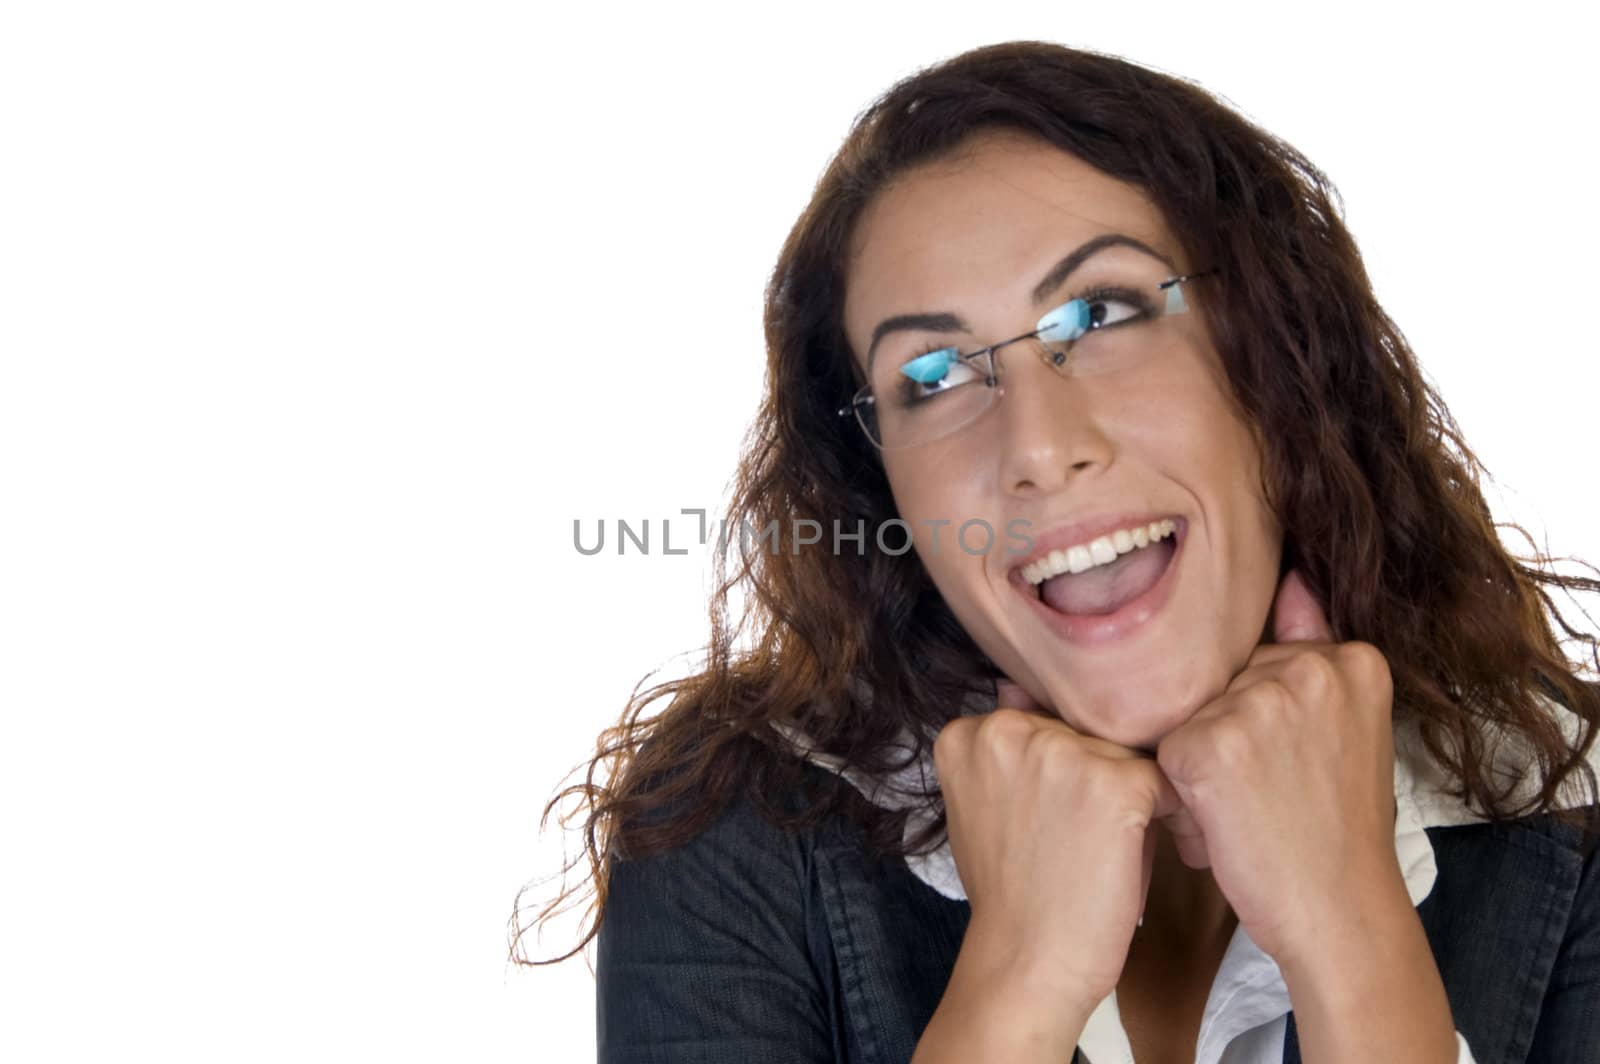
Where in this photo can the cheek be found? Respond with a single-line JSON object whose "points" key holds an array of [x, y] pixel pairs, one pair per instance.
{"points": [[932, 487], [1201, 427], [1204, 433], [1254, 533], [935, 498], [1231, 446]]}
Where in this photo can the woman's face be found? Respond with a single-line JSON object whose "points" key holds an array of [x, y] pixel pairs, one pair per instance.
{"points": [[1070, 457]]}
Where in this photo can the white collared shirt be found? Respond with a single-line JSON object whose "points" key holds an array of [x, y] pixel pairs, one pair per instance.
{"points": [[1246, 1012]]}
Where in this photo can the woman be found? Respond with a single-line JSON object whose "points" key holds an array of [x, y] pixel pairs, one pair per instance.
{"points": [[1158, 687]]}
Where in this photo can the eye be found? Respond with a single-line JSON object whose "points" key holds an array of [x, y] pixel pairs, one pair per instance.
{"points": [[1112, 307], [933, 372], [1098, 308], [931, 367]]}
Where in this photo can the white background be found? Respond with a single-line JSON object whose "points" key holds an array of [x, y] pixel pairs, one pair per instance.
{"points": [[322, 322]]}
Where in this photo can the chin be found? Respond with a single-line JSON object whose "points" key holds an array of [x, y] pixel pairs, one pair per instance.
{"points": [[1136, 733], [1137, 718]]}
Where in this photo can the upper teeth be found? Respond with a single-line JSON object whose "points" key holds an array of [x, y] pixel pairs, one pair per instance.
{"points": [[1097, 551]]}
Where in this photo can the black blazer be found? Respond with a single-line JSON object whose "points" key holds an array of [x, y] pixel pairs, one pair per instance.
{"points": [[751, 944]]}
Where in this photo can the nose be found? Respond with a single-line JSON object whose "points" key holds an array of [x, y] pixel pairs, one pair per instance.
{"points": [[1046, 424]]}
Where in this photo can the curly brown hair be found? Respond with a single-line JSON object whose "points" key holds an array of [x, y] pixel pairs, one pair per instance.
{"points": [[1377, 492]]}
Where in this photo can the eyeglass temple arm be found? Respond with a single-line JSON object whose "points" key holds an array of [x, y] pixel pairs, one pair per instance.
{"points": [[1186, 277]]}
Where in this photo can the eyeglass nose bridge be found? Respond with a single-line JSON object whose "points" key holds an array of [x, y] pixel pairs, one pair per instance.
{"points": [[1054, 359]]}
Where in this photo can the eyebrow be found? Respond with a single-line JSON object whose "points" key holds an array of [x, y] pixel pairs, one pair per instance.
{"points": [[944, 321]]}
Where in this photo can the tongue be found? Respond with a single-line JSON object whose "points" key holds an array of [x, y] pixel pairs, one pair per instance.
{"points": [[1106, 588]]}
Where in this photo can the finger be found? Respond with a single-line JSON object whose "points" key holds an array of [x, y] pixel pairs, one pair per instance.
{"points": [[1103, 747], [1189, 838], [1166, 802], [1266, 663], [1011, 695], [1297, 617]]}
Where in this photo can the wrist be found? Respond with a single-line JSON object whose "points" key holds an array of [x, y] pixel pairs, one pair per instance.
{"points": [[1001, 1004], [996, 1026], [1372, 992], [1023, 974], [1355, 956], [1376, 907]]}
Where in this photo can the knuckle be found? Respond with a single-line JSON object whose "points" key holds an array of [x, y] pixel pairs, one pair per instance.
{"points": [[1094, 783], [1110, 783], [952, 739], [1364, 660], [1006, 729], [1001, 735], [1126, 792], [1050, 755], [1231, 743], [1270, 696], [1313, 673]]}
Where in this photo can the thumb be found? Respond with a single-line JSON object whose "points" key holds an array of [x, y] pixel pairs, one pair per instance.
{"points": [[1181, 824], [1297, 617], [1190, 839]]}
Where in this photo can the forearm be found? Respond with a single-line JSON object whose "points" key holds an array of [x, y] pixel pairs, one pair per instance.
{"points": [[993, 1011], [1368, 988]]}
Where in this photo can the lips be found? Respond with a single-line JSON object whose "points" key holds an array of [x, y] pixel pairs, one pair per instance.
{"points": [[1101, 629]]}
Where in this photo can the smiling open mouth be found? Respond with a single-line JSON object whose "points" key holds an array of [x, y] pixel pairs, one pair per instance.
{"points": [[1108, 598], [1107, 588]]}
